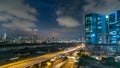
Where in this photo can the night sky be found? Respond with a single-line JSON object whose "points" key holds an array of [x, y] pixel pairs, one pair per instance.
{"points": [[50, 18]]}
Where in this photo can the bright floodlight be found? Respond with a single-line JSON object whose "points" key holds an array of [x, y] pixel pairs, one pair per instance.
{"points": [[107, 16]]}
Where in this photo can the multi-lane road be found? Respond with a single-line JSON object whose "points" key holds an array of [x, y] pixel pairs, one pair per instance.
{"points": [[32, 61], [69, 64]]}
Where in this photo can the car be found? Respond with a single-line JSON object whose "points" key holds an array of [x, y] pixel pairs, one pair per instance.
{"points": [[76, 61], [13, 58], [95, 57], [53, 59]]}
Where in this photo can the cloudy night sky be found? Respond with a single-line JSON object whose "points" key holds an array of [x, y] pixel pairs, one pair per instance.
{"points": [[49, 18]]}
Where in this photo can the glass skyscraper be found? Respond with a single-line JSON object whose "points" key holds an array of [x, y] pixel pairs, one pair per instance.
{"points": [[95, 29], [104, 32], [113, 21]]}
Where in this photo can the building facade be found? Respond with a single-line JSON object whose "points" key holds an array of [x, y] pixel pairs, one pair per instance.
{"points": [[113, 21], [95, 29], [104, 32]]}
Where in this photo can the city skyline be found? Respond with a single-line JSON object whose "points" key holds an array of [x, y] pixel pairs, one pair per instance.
{"points": [[61, 19], [59, 34]]}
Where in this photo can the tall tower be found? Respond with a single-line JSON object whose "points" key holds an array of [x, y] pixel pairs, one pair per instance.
{"points": [[4, 36], [95, 29], [114, 27]]}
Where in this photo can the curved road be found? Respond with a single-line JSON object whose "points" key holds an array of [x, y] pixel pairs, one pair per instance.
{"points": [[32, 61]]}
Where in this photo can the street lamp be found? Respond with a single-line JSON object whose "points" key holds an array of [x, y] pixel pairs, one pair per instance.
{"points": [[83, 45]]}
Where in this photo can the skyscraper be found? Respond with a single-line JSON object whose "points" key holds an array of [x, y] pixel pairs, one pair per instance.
{"points": [[95, 28], [113, 27], [4, 36]]}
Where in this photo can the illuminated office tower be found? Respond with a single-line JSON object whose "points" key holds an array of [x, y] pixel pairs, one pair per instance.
{"points": [[113, 21], [95, 29]]}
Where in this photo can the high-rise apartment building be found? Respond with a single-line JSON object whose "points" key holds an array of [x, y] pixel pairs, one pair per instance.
{"points": [[102, 30], [113, 21], [95, 28]]}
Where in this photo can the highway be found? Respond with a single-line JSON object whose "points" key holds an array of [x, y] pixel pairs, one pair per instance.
{"points": [[69, 64], [59, 65], [32, 61], [53, 64]]}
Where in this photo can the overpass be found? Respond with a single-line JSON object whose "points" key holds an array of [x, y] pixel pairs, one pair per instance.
{"points": [[29, 63]]}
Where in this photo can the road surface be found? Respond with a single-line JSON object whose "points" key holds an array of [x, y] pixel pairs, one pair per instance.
{"points": [[32, 61], [70, 64]]}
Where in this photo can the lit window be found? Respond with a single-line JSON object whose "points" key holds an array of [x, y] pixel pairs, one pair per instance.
{"points": [[98, 18], [92, 35], [99, 27], [113, 32]]}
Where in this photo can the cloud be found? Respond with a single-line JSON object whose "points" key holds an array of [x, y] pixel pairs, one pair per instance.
{"points": [[15, 14], [102, 6], [67, 21]]}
